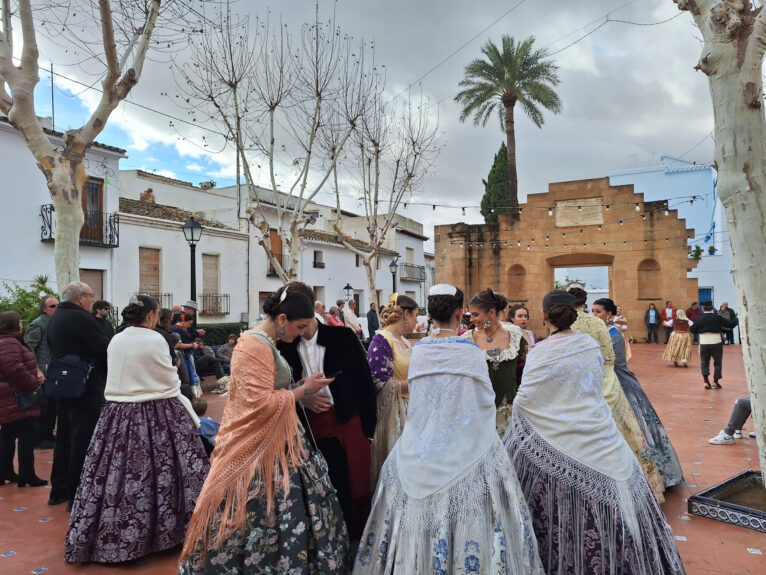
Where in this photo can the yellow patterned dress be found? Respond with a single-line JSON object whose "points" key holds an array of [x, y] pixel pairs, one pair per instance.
{"points": [[622, 413], [389, 360]]}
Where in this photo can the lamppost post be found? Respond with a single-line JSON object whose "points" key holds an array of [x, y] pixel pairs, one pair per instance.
{"points": [[392, 267], [192, 230]]}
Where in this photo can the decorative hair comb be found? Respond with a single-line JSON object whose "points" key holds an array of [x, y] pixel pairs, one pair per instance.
{"points": [[135, 301], [442, 289], [393, 297], [283, 296]]}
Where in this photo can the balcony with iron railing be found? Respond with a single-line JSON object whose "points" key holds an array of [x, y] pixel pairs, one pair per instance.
{"points": [[100, 230], [284, 260], [411, 272], [163, 299], [318, 265], [214, 304]]}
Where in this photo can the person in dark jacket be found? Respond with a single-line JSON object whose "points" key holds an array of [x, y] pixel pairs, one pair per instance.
{"points": [[101, 313], [343, 419], [373, 324], [18, 373], [710, 327], [36, 340], [72, 330], [652, 320]]}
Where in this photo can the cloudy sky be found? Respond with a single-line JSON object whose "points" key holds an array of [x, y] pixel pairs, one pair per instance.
{"points": [[629, 92]]}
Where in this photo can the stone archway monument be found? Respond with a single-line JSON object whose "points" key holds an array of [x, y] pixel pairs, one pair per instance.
{"points": [[576, 224]]}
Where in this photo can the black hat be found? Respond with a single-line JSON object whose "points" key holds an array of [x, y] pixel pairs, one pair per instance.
{"points": [[708, 303]]}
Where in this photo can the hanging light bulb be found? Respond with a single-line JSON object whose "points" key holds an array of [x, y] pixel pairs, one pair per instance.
{"points": [[563, 234], [547, 237], [625, 243], [518, 243], [527, 247], [533, 240], [463, 211], [608, 206], [579, 208], [565, 246], [550, 211], [667, 213], [580, 230], [546, 246], [599, 227], [620, 222], [638, 208]]}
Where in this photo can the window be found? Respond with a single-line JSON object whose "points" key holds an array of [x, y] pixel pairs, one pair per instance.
{"points": [[357, 260], [210, 274], [95, 280], [92, 207], [517, 283], [318, 259], [149, 270], [649, 279], [410, 255]]}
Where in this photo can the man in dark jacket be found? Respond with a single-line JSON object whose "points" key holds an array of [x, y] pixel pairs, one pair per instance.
{"points": [[373, 324], [36, 339], [709, 327], [72, 330], [343, 418], [101, 313]]}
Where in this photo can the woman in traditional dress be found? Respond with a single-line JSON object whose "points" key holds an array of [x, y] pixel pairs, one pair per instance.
{"points": [[592, 508], [660, 449], [503, 346], [389, 359], [622, 412], [448, 500], [519, 315], [679, 348], [146, 464], [622, 323], [267, 505]]}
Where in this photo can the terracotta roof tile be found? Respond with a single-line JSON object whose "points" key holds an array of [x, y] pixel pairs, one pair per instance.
{"points": [[152, 210], [334, 238]]}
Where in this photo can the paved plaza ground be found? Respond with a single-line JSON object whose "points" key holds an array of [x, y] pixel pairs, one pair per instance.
{"points": [[32, 533]]}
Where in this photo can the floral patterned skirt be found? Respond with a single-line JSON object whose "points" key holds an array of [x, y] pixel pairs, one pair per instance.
{"points": [[392, 413], [305, 535], [679, 347], [143, 472]]}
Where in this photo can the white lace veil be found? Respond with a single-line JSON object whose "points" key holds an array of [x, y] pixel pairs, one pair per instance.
{"points": [[451, 417]]}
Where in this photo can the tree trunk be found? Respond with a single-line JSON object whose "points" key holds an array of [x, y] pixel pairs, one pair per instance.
{"points": [[741, 156], [513, 180], [732, 58], [67, 184], [369, 268]]}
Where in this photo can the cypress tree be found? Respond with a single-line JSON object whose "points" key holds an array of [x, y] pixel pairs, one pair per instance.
{"points": [[495, 200]]}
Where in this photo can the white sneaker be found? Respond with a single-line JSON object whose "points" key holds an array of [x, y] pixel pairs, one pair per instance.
{"points": [[722, 439], [737, 434]]}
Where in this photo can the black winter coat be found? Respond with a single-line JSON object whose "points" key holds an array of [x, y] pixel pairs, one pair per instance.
{"points": [[353, 391], [18, 372], [74, 331]]}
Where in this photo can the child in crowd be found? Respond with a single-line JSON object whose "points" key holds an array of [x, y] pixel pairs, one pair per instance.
{"points": [[208, 428]]}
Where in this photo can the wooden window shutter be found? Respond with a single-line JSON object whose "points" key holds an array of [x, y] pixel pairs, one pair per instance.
{"points": [[149, 270]]}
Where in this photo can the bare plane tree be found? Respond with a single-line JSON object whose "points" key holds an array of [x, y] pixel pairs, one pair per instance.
{"points": [[392, 151], [113, 39], [734, 34], [276, 97]]}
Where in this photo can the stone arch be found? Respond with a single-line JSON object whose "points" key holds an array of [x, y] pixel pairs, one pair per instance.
{"points": [[649, 279], [517, 283]]}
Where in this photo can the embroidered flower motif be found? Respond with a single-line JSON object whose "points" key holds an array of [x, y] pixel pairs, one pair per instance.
{"points": [[472, 564]]}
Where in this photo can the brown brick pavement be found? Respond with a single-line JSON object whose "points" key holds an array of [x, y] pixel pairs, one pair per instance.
{"points": [[690, 413]]}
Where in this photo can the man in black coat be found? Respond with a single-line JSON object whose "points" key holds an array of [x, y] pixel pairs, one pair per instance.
{"points": [[73, 330], [343, 420], [709, 327]]}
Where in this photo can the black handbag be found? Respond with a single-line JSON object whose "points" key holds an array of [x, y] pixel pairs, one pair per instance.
{"points": [[27, 400], [67, 377]]}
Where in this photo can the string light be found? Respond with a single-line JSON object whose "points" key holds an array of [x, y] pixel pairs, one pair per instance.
{"points": [[620, 222], [667, 212], [518, 243], [463, 211], [638, 208], [608, 206], [527, 247], [579, 208], [563, 234], [550, 211], [599, 227]]}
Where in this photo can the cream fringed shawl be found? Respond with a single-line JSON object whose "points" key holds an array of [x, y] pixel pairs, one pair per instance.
{"points": [[258, 441]]}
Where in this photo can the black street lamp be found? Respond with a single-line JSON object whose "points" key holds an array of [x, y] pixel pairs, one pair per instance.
{"points": [[392, 266], [192, 230], [348, 290]]}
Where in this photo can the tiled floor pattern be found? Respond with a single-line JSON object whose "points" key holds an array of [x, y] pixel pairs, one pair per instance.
{"points": [[32, 533]]}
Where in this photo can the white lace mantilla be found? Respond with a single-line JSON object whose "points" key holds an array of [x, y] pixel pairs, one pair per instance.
{"points": [[451, 416]]}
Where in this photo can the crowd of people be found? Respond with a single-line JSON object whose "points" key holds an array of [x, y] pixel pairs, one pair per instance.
{"points": [[482, 448]]}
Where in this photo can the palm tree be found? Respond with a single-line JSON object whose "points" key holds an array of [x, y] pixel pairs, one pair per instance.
{"points": [[517, 73]]}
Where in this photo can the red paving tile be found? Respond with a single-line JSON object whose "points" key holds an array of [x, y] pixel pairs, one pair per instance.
{"points": [[691, 415]]}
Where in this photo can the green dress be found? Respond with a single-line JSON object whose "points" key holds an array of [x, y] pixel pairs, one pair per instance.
{"points": [[502, 364]]}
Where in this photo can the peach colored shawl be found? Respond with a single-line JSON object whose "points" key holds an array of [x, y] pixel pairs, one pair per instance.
{"points": [[259, 440]]}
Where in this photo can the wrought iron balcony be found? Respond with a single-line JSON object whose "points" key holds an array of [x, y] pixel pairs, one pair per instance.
{"points": [[163, 299], [214, 304], [100, 230], [284, 260], [318, 265], [412, 272]]}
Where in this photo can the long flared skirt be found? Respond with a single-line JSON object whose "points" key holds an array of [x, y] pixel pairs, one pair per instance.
{"points": [[392, 413], [679, 348], [477, 523], [143, 472], [587, 522], [304, 535], [660, 448]]}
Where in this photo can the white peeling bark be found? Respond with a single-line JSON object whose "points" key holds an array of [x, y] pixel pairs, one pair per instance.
{"points": [[732, 58]]}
